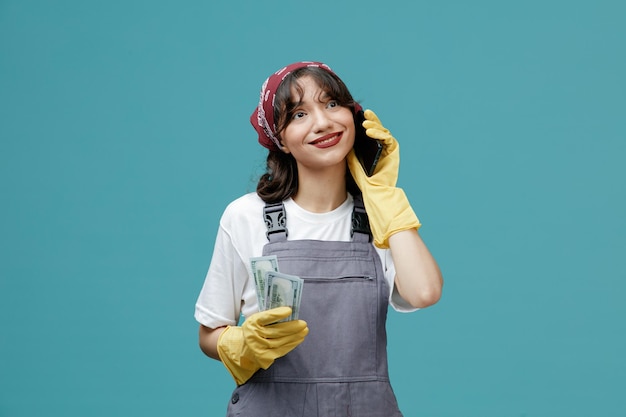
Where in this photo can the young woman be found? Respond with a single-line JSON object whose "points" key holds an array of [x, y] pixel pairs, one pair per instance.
{"points": [[308, 211]]}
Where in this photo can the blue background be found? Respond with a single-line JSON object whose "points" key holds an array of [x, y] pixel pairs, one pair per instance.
{"points": [[124, 134]]}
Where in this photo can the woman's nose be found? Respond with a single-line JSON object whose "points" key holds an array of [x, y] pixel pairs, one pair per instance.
{"points": [[321, 121]]}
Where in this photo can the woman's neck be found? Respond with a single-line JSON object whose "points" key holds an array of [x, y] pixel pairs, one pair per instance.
{"points": [[322, 192]]}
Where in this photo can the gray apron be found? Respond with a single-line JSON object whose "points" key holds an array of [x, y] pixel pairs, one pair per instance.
{"points": [[341, 367]]}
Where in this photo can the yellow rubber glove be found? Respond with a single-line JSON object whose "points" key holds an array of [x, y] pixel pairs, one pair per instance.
{"points": [[387, 207], [259, 341]]}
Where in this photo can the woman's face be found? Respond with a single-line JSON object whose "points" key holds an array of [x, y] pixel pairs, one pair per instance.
{"points": [[320, 133]]}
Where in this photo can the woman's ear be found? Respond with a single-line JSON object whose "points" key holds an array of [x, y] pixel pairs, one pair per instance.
{"points": [[284, 148]]}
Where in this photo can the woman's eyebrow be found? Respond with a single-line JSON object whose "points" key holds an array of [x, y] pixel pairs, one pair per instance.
{"points": [[296, 104], [324, 96]]}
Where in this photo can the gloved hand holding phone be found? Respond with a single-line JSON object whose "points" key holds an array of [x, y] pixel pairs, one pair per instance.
{"points": [[387, 206], [259, 341]]}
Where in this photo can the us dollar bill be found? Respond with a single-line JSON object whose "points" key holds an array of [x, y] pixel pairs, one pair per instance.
{"points": [[283, 290], [260, 267]]}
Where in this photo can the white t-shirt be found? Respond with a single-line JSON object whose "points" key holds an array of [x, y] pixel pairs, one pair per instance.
{"points": [[229, 289]]}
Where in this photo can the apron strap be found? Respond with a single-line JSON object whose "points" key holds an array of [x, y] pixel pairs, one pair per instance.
{"points": [[360, 222]]}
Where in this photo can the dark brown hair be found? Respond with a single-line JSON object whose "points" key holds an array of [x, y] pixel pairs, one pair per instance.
{"points": [[280, 180]]}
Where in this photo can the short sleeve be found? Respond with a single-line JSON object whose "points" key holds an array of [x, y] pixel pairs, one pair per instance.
{"points": [[219, 302]]}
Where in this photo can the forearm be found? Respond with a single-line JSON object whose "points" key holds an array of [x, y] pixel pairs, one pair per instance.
{"points": [[418, 277], [208, 340]]}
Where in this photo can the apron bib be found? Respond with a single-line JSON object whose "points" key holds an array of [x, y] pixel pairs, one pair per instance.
{"points": [[341, 367]]}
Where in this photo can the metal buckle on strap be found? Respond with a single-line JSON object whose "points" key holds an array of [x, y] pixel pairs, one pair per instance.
{"points": [[360, 222], [275, 219]]}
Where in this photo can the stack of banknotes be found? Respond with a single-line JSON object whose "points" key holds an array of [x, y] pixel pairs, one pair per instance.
{"points": [[275, 289]]}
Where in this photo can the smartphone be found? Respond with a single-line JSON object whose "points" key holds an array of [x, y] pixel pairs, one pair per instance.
{"points": [[367, 150]]}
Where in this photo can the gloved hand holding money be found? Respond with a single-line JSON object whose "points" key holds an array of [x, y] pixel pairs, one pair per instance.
{"points": [[258, 342]]}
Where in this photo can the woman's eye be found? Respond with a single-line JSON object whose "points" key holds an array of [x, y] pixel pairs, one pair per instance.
{"points": [[332, 103], [298, 115]]}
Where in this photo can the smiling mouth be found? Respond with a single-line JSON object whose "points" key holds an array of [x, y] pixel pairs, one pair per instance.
{"points": [[328, 140]]}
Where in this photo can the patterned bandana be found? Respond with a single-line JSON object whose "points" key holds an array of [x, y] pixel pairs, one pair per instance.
{"points": [[262, 118]]}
